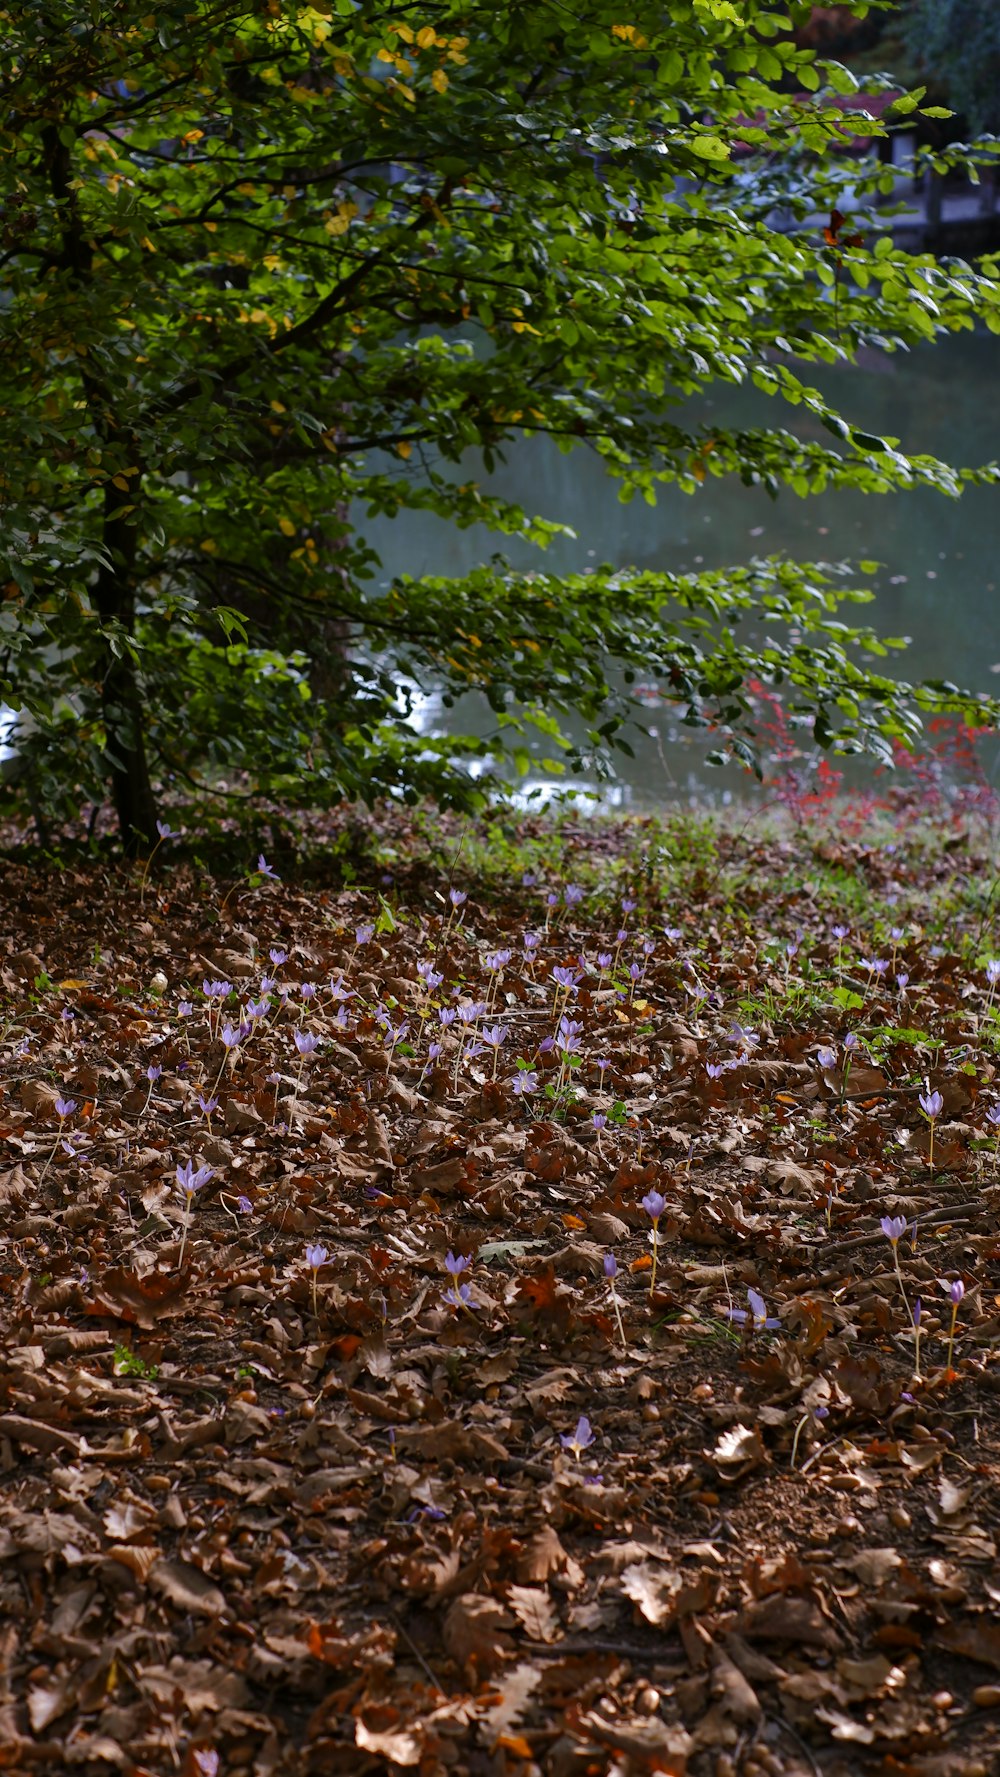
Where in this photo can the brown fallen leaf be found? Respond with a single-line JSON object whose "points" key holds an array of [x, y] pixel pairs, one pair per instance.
{"points": [[737, 1451], [515, 1691], [398, 1745], [140, 1300], [543, 1556], [976, 1639], [447, 1175], [46, 1702], [732, 1690], [39, 1098], [534, 1610], [658, 1745], [782, 1617], [379, 1148], [187, 1588], [474, 1631], [448, 1439], [139, 1558], [36, 1435], [662, 1594]]}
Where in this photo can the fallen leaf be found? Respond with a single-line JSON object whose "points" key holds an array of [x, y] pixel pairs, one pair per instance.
{"points": [[474, 1631], [398, 1745], [976, 1639], [782, 1617], [534, 1610], [188, 1588]]}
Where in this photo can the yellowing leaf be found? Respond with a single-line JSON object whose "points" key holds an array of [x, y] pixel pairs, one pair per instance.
{"points": [[286, 527], [439, 80], [403, 449]]}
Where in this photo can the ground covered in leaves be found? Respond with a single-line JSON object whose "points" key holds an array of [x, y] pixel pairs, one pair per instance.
{"points": [[447, 1318]]}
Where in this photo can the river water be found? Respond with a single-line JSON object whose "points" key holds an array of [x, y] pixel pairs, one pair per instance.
{"points": [[940, 569], [938, 583]]}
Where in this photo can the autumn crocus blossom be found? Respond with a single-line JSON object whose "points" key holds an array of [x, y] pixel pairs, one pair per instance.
{"points": [[654, 1203], [579, 1440], [932, 1104], [755, 1314]]}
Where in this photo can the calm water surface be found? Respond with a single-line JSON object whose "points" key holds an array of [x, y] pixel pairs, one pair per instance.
{"points": [[940, 573]]}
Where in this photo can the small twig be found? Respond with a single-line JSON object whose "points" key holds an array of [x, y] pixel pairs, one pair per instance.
{"points": [[541, 1650], [411, 1644], [786, 1728], [962, 1212]]}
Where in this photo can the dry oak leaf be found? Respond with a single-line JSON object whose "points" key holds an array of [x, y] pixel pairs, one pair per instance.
{"points": [[545, 1555], [977, 1639], [378, 1140], [35, 1435], [187, 1588], [534, 1610], [515, 1691], [46, 1702], [474, 1631], [142, 1300], [447, 1175], [656, 1744], [201, 1684], [737, 1451], [398, 1745], [874, 1567], [733, 1691], [662, 1594], [781, 1617], [139, 1558], [39, 1098], [793, 1179], [448, 1439]]}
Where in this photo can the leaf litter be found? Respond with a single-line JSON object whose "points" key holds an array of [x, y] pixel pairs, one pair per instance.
{"points": [[458, 1331]]}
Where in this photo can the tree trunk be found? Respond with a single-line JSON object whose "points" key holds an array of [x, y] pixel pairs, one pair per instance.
{"points": [[114, 588], [121, 704]]}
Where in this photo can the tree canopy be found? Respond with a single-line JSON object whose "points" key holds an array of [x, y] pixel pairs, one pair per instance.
{"points": [[268, 268]]}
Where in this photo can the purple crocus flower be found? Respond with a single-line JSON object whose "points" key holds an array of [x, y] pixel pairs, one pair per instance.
{"points": [[65, 1107], [755, 1313], [580, 1439], [264, 868], [190, 1181], [316, 1256], [932, 1104], [654, 1203], [893, 1227], [306, 1042], [455, 1266]]}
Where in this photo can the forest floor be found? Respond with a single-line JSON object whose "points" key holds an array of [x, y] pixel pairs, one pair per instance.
{"points": [[457, 1304]]}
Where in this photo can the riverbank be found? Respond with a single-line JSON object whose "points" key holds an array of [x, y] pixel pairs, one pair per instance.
{"points": [[460, 1297]]}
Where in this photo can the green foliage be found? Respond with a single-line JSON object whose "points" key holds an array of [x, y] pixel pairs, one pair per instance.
{"points": [[268, 267]]}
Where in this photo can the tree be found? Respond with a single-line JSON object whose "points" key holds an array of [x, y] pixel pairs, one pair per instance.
{"points": [[958, 43], [268, 266]]}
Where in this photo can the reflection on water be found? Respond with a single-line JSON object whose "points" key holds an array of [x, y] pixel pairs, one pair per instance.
{"points": [[940, 570]]}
